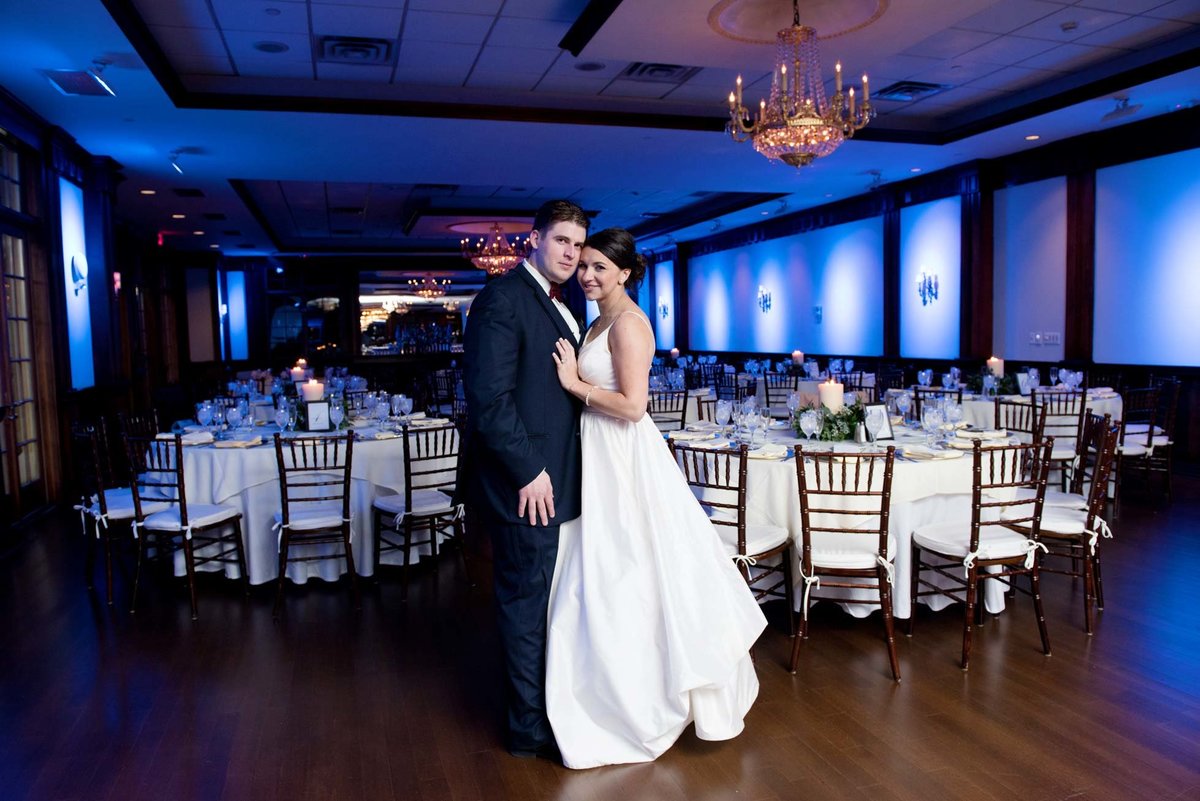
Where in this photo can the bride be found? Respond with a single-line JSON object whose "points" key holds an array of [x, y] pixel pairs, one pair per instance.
{"points": [[650, 623]]}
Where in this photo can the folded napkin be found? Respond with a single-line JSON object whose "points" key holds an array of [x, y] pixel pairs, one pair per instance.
{"points": [[238, 443], [702, 425], [386, 435], [960, 444], [769, 451], [692, 436], [192, 428], [990, 433], [1101, 391], [928, 454], [428, 422], [191, 438]]}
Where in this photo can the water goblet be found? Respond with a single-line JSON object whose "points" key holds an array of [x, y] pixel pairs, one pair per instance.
{"points": [[793, 402], [931, 420], [956, 374], [282, 416], [337, 413], [848, 365], [925, 377], [397, 403], [810, 423], [989, 385], [948, 381], [406, 406], [1054, 376], [218, 417], [953, 413], [204, 413], [1035, 378], [234, 417], [753, 423], [722, 412], [903, 404]]}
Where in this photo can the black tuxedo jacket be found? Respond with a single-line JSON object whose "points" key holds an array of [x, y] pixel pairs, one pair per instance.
{"points": [[520, 421]]}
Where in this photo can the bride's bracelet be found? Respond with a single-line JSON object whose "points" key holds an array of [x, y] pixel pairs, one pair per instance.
{"points": [[587, 399]]}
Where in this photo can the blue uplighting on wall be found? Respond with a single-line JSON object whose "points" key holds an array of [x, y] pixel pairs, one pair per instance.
{"points": [[76, 279], [1147, 301], [664, 288], [930, 279], [235, 316], [822, 292]]}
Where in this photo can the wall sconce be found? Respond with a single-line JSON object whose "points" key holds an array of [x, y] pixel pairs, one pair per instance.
{"points": [[664, 308], [764, 299], [927, 288], [116, 284]]}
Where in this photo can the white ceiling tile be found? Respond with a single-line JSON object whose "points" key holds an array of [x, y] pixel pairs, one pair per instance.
{"points": [[274, 68], [627, 88], [571, 84], [202, 65], [1008, 50], [1182, 10], [949, 43], [424, 76], [464, 6], [558, 10], [1011, 79], [437, 26], [515, 59], [241, 45], [189, 42], [1135, 32], [712, 76], [898, 67], [365, 21], [426, 56], [1006, 17], [717, 95], [368, 73], [489, 79], [253, 15], [175, 13], [1083, 20], [1120, 6], [955, 73], [1069, 57], [519, 32]]}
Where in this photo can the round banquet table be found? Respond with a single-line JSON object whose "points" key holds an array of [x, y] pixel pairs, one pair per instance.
{"points": [[247, 479]]}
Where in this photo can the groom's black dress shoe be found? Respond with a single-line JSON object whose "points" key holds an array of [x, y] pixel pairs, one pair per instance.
{"points": [[548, 751]]}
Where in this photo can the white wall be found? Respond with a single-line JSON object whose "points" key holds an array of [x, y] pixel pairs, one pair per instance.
{"points": [[931, 244]]}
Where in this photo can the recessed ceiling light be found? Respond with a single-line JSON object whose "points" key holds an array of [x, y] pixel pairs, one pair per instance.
{"points": [[589, 66], [148, 192], [178, 216], [214, 245], [828, 194], [764, 213], [915, 169], [1032, 138], [198, 233], [272, 12], [271, 47]]}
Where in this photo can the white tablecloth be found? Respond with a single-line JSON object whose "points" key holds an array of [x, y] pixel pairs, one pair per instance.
{"points": [[248, 480], [982, 413]]}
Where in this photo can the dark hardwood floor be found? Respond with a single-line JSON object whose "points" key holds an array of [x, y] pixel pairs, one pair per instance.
{"points": [[403, 701]]}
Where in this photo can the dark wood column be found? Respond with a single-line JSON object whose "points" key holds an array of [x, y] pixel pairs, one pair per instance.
{"points": [[680, 290], [891, 284], [1081, 265], [978, 223]]}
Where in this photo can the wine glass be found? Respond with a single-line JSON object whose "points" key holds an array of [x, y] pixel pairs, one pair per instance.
{"points": [[337, 413], [955, 374], [793, 402], [204, 413], [1054, 376], [382, 407], [948, 381], [218, 417], [1035, 378], [953, 413], [243, 406], [292, 416], [925, 377], [903, 404], [397, 403], [281, 415], [848, 365], [989, 385], [810, 424], [931, 420], [753, 424], [234, 416], [722, 413]]}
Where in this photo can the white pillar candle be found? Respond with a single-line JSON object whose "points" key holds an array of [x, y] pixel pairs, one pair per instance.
{"points": [[797, 357], [996, 365], [314, 390], [297, 374], [674, 353], [832, 395]]}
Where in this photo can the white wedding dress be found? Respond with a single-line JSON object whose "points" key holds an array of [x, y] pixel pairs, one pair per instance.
{"points": [[650, 623]]}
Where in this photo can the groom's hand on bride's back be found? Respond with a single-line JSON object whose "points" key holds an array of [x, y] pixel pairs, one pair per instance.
{"points": [[536, 499]]}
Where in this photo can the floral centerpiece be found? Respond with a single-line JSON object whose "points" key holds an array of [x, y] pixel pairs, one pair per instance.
{"points": [[1005, 384], [835, 426]]}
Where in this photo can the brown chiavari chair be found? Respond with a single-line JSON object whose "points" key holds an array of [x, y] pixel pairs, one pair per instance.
{"points": [[667, 408], [718, 478], [314, 492], [138, 424], [888, 378], [1026, 421], [709, 373], [778, 387], [727, 387], [1074, 532], [1159, 460], [1139, 415], [1064, 421], [845, 500], [1103, 377], [430, 475], [208, 533], [989, 538], [921, 395], [706, 409], [444, 388], [862, 392]]}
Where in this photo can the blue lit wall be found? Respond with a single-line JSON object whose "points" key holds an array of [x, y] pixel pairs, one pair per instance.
{"points": [[76, 277], [825, 292], [664, 287], [1147, 302], [235, 300], [931, 245]]}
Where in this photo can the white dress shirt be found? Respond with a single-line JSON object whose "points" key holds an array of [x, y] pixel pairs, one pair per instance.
{"points": [[562, 307]]}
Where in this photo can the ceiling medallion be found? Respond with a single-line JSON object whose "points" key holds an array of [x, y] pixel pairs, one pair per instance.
{"points": [[796, 124], [756, 21], [494, 253]]}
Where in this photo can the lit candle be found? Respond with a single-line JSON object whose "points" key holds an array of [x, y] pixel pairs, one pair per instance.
{"points": [[996, 365], [797, 357], [832, 395], [866, 89], [739, 90], [837, 72], [314, 390], [783, 73], [731, 102], [301, 363], [674, 353], [851, 101], [297, 373]]}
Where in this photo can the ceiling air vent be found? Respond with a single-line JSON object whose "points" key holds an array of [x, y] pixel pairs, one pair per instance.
{"points": [[78, 82], [658, 73], [355, 50], [906, 91]]}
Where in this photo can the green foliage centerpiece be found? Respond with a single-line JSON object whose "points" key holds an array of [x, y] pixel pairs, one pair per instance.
{"points": [[835, 426]]}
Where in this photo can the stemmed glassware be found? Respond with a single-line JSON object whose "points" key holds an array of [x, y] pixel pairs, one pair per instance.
{"points": [[753, 424], [1054, 376], [810, 423], [953, 412], [337, 413], [793, 402], [234, 416], [722, 412], [989, 385], [218, 417], [848, 365], [1035, 378], [932, 420], [204, 413], [903, 404], [281, 414], [925, 377]]}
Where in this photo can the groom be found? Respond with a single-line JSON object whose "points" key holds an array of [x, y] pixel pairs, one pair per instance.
{"points": [[521, 461]]}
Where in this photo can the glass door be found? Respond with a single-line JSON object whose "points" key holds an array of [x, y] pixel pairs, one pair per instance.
{"points": [[20, 444]]}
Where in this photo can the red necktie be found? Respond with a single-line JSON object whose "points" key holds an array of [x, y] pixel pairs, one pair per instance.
{"points": [[555, 291]]}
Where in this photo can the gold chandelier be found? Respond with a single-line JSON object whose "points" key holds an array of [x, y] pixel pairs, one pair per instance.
{"points": [[495, 254], [796, 124], [429, 287]]}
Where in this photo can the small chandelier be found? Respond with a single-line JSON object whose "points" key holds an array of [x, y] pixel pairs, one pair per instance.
{"points": [[495, 254], [796, 124], [395, 307], [429, 287], [451, 305]]}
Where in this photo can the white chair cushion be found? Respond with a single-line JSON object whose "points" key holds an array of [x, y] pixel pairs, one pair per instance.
{"points": [[1063, 454], [1140, 428], [954, 539], [1054, 497], [1063, 521], [311, 516], [759, 539], [425, 502], [849, 551], [200, 515], [1133, 449], [119, 502], [1161, 441]]}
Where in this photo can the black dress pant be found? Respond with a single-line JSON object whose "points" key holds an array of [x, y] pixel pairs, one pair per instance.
{"points": [[524, 559]]}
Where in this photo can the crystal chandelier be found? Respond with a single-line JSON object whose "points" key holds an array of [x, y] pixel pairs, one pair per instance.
{"points": [[495, 254], [796, 124], [395, 307], [429, 287]]}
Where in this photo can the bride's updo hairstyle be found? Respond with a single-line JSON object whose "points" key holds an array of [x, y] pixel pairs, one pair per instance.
{"points": [[618, 247]]}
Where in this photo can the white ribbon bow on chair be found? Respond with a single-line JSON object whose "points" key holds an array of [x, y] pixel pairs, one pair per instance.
{"points": [[809, 582]]}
